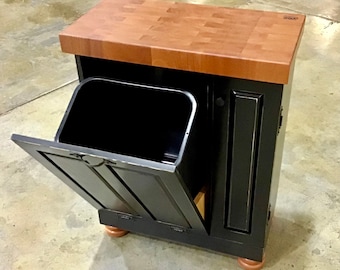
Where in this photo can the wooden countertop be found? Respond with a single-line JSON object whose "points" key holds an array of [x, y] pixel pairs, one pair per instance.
{"points": [[248, 44]]}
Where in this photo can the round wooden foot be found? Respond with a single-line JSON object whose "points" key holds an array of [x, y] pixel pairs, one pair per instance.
{"points": [[114, 231], [250, 264]]}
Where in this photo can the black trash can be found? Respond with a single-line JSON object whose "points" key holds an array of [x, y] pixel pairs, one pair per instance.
{"points": [[130, 148], [139, 121]]}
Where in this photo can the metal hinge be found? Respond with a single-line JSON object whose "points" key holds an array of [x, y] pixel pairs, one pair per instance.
{"points": [[280, 120], [125, 216], [178, 229]]}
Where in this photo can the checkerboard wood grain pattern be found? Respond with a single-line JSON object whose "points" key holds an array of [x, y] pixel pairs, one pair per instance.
{"points": [[239, 43]]}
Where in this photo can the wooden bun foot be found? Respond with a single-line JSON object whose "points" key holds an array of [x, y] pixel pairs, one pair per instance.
{"points": [[250, 264], [114, 231]]}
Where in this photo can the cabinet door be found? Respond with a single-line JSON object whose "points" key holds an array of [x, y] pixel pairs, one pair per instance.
{"points": [[108, 181], [244, 128], [246, 125]]}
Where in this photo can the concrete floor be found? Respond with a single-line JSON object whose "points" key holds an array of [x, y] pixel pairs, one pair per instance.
{"points": [[45, 225]]}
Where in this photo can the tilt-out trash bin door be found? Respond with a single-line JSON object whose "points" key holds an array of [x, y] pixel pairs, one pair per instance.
{"points": [[129, 148]]}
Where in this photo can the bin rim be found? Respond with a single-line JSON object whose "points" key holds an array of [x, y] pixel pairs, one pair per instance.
{"points": [[29, 143]]}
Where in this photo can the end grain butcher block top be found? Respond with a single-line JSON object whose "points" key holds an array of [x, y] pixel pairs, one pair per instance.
{"points": [[239, 43]]}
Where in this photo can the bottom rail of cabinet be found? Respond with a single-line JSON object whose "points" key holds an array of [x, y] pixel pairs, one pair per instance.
{"points": [[190, 237]]}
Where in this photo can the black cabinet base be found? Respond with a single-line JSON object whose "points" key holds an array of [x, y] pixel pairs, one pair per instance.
{"points": [[171, 233], [232, 150]]}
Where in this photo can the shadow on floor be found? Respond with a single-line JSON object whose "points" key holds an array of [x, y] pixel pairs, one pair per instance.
{"points": [[286, 236], [135, 251]]}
